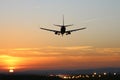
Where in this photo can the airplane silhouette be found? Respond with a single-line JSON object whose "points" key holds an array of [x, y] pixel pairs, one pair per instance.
{"points": [[63, 29]]}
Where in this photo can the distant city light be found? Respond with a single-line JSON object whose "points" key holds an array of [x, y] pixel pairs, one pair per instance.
{"points": [[65, 77], [77, 76], [95, 73], [87, 76], [105, 73], [114, 73], [82, 76], [99, 75], [73, 77]]}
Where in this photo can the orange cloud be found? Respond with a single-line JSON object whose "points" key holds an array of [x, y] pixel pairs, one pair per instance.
{"points": [[9, 61], [61, 57], [61, 51]]}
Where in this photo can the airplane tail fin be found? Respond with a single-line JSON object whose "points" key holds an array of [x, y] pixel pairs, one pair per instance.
{"points": [[63, 20], [66, 25], [60, 25], [63, 24]]}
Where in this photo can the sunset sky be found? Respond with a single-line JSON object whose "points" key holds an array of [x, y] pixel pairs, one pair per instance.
{"points": [[23, 46]]}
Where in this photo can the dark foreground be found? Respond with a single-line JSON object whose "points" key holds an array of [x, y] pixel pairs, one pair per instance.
{"points": [[57, 77]]}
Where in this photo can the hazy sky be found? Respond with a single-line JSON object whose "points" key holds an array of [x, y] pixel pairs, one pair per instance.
{"points": [[23, 45]]}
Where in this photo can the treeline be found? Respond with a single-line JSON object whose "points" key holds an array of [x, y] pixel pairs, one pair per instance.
{"points": [[47, 77], [27, 77]]}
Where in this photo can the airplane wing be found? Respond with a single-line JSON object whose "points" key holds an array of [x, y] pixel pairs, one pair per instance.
{"points": [[76, 29], [49, 30]]}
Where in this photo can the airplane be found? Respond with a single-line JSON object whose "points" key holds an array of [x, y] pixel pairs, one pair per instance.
{"points": [[63, 29]]}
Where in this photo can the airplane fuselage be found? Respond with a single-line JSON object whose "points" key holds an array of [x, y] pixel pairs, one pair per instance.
{"points": [[63, 29]]}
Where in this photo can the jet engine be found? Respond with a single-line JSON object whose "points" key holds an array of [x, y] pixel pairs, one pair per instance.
{"points": [[67, 33], [57, 33]]}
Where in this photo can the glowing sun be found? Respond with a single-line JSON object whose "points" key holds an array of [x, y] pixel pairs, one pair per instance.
{"points": [[11, 70]]}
